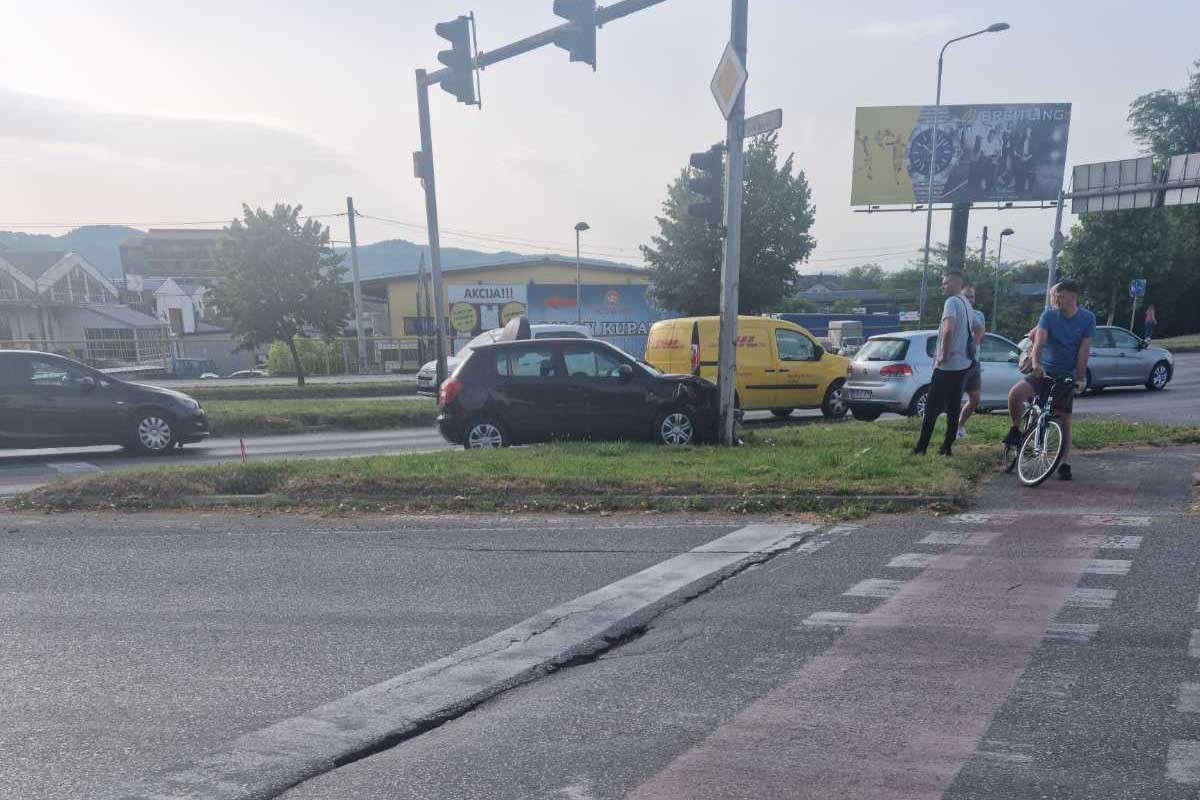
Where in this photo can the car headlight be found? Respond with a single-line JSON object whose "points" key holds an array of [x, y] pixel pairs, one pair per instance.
{"points": [[189, 404]]}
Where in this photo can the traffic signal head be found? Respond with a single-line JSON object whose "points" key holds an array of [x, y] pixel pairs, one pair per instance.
{"points": [[579, 39], [459, 80], [708, 184]]}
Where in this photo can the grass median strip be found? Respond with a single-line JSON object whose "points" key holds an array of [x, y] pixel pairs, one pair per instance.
{"points": [[312, 391], [264, 417], [777, 469]]}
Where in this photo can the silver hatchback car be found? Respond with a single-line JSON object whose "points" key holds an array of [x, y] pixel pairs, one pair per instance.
{"points": [[892, 372], [1119, 358]]}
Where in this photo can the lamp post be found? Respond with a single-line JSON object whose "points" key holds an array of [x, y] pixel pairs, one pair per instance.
{"points": [[996, 292], [580, 227], [937, 111]]}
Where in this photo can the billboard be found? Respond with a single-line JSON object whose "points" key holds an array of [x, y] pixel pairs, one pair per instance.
{"points": [[984, 153], [618, 313]]}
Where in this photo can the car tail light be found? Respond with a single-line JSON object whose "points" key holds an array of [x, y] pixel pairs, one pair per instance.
{"points": [[849, 370], [450, 391], [896, 371]]}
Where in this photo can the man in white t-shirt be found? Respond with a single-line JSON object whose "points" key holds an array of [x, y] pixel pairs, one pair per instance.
{"points": [[950, 365], [973, 383]]}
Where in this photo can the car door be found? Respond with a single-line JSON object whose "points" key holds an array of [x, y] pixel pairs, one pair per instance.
{"points": [[531, 392], [69, 404], [798, 381], [608, 404], [1133, 362], [15, 400], [998, 358], [1104, 359]]}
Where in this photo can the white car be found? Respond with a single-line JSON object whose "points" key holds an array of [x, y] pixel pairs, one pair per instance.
{"points": [[427, 374]]}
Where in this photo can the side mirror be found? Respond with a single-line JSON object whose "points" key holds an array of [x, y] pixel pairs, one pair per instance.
{"points": [[625, 372], [819, 354], [1143, 344], [87, 384]]}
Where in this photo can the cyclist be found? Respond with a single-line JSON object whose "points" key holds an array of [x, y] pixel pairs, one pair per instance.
{"points": [[1062, 343]]}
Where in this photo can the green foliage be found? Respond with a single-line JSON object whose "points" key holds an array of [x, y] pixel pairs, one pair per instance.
{"points": [[316, 358], [279, 278], [868, 276], [685, 257]]}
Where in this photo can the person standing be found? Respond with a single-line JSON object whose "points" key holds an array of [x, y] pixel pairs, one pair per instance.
{"points": [[1149, 323], [1061, 347], [950, 365], [973, 383]]}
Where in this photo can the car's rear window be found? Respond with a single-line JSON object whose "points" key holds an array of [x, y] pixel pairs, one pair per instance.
{"points": [[883, 350]]}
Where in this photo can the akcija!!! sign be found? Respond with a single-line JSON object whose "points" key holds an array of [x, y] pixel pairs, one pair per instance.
{"points": [[491, 294]]}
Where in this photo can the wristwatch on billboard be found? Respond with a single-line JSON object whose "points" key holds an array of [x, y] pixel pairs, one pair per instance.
{"points": [[919, 147]]}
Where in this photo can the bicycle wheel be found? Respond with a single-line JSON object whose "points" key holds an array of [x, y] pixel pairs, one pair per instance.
{"points": [[1008, 456], [1040, 453]]}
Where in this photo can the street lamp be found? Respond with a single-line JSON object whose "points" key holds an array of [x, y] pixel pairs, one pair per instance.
{"points": [[995, 27], [996, 292], [580, 227]]}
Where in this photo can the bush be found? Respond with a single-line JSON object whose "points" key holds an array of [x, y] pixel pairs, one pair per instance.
{"points": [[316, 356]]}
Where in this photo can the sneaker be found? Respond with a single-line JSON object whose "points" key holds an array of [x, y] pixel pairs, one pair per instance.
{"points": [[1064, 472], [962, 434], [945, 451], [1013, 437]]}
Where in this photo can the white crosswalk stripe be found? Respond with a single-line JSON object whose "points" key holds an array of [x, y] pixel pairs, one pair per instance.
{"points": [[913, 560], [1108, 566], [1114, 521], [1194, 644], [945, 538], [832, 619], [1109, 542], [1183, 761], [1080, 633], [875, 587], [1092, 598], [1188, 699]]}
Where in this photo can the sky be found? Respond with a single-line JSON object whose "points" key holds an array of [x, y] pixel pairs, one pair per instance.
{"points": [[162, 113]]}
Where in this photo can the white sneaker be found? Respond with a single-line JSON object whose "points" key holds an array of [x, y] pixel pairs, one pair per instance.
{"points": [[962, 433]]}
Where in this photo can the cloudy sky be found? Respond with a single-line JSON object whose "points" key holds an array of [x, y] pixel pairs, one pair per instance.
{"points": [[169, 112]]}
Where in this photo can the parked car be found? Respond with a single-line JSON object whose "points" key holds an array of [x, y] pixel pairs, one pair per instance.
{"points": [[427, 374], [892, 372], [247, 373], [1120, 358], [514, 392], [51, 401], [780, 365]]}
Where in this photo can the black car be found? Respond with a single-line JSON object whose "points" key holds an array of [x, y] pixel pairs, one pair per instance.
{"points": [[51, 401], [531, 391]]}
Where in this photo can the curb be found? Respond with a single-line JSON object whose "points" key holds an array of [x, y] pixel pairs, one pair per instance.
{"points": [[268, 762]]}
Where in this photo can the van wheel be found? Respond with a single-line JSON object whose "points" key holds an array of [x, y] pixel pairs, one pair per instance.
{"points": [[781, 413], [834, 406]]}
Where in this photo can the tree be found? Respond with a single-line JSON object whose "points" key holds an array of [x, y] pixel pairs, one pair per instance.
{"points": [[279, 279], [868, 276], [685, 257]]}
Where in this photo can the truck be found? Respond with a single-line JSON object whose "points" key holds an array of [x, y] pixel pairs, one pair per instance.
{"points": [[846, 336]]}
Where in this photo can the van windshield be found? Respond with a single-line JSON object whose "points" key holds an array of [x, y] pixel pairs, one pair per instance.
{"points": [[883, 350]]}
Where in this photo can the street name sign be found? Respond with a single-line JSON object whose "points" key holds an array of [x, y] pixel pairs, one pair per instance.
{"points": [[763, 123]]}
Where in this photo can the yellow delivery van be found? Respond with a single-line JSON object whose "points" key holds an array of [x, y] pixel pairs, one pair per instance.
{"points": [[780, 365]]}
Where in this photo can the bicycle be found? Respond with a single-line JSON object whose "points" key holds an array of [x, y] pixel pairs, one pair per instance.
{"points": [[1041, 444]]}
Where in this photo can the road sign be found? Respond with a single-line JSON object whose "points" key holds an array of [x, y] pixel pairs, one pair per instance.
{"points": [[1113, 186], [910, 316], [763, 123], [1183, 180], [728, 80], [1137, 287]]}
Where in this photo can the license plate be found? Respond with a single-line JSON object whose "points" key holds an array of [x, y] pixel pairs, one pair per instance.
{"points": [[860, 394]]}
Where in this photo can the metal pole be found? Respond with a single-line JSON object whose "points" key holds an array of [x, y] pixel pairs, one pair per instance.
{"points": [[578, 281], [431, 222], [358, 304], [983, 251], [996, 296], [1133, 314], [731, 259], [1055, 247], [937, 112]]}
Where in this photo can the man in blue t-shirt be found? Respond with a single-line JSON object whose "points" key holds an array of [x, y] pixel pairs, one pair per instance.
{"points": [[1062, 343]]}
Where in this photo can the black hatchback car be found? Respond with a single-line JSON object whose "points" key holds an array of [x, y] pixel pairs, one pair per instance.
{"points": [[51, 401], [532, 391]]}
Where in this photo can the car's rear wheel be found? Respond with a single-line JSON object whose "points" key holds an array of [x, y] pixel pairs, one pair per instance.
{"points": [[781, 413], [863, 414], [834, 405], [916, 407], [153, 433], [675, 428], [1159, 376], [485, 433]]}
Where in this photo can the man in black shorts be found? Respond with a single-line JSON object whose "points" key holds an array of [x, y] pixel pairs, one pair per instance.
{"points": [[973, 384]]}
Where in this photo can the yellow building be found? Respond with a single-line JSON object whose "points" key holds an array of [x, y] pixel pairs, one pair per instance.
{"points": [[484, 296]]}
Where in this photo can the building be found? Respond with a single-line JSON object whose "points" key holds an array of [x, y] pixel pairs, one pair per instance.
{"points": [[615, 298], [172, 253], [59, 301]]}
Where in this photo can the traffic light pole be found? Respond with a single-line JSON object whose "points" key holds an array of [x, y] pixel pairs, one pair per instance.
{"points": [[731, 259], [358, 301], [425, 168]]}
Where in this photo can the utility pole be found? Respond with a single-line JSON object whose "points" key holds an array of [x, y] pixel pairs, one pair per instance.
{"points": [[731, 259], [425, 171], [1056, 246], [983, 251], [358, 304]]}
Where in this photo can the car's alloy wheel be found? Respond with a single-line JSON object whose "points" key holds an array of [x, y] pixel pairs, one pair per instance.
{"points": [[676, 428], [154, 434], [484, 436], [835, 405], [1158, 377], [920, 403]]}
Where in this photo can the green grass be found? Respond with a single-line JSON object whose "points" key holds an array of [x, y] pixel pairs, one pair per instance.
{"points": [[1180, 344], [312, 391], [263, 417]]}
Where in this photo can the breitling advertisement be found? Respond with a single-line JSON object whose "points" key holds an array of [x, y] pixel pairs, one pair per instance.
{"points": [[980, 154]]}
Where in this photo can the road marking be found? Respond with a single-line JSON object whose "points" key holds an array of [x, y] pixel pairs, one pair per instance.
{"points": [[1108, 566], [1092, 598], [1194, 644], [1188, 700], [72, 467], [266, 762], [978, 519], [1183, 761], [913, 560], [1109, 542], [945, 538], [1070, 632], [1113, 521], [875, 587], [833, 619]]}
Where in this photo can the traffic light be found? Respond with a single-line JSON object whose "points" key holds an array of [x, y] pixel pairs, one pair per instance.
{"points": [[708, 184], [460, 79], [580, 37]]}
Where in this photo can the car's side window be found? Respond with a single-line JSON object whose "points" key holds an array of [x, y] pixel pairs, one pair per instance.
{"points": [[1125, 341], [588, 362], [794, 346], [54, 374], [502, 363], [534, 362], [14, 374], [1103, 338], [996, 350]]}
